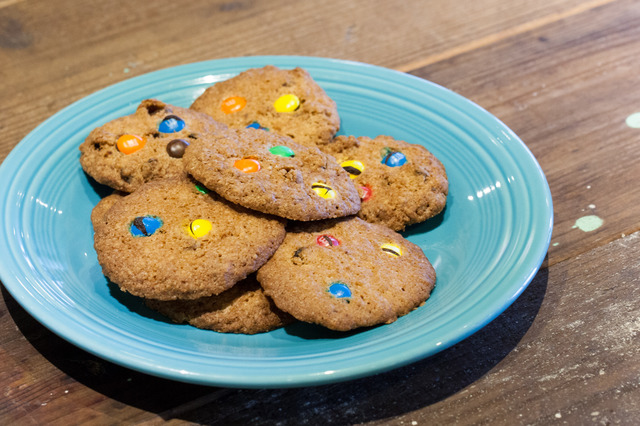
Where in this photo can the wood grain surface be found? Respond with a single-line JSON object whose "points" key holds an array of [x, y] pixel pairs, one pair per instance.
{"points": [[563, 74]]}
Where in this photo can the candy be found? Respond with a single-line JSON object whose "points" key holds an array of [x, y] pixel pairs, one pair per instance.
{"points": [[327, 241], [176, 148], [393, 158], [171, 124], [367, 193], [145, 226], [128, 144], [247, 165], [353, 167], [392, 249], [256, 125], [287, 103], [233, 104], [323, 190], [199, 228], [201, 188], [282, 151], [339, 290]]}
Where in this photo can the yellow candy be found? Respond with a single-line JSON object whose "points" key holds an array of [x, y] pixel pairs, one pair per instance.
{"points": [[392, 249], [323, 190], [199, 228], [287, 103], [353, 167]]}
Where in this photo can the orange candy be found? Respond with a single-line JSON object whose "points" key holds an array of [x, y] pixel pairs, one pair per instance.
{"points": [[128, 144], [247, 165], [233, 104]]}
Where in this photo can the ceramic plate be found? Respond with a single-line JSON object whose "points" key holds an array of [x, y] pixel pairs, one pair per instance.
{"points": [[486, 246]]}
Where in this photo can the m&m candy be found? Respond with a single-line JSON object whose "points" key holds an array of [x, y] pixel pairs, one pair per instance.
{"points": [[323, 190], [171, 124], [353, 167], [367, 193], [287, 103], [201, 188], [393, 158], [145, 226], [128, 144], [233, 104], [282, 151], [339, 290], [327, 241], [176, 148], [258, 126], [247, 165], [199, 228], [392, 249]]}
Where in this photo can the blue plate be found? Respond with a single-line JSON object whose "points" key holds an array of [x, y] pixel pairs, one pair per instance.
{"points": [[486, 246]]}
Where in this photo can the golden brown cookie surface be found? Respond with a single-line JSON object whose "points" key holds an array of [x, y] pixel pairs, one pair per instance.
{"points": [[288, 102], [272, 174], [146, 145], [347, 273], [399, 183], [168, 240], [244, 308]]}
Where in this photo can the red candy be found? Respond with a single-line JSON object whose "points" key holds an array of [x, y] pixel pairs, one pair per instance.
{"points": [[327, 241], [366, 193]]}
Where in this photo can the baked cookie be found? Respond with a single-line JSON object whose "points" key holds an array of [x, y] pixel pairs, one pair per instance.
{"points": [[347, 273], [399, 183], [243, 308], [272, 174], [99, 211], [288, 102], [146, 145], [168, 240]]}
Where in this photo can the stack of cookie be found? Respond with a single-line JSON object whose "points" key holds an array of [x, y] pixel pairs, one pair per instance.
{"points": [[243, 213]]}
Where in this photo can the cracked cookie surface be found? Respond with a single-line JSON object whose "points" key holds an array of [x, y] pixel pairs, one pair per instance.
{"points": [[399, 183], [285, 101], [272, 174], [170, 240], [146, 145], [347, 273]]}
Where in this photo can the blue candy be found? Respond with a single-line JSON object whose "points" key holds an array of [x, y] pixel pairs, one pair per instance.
{"points": [[171, 124], [145, 226], [256, 125], [339, 290], [394, 159]]}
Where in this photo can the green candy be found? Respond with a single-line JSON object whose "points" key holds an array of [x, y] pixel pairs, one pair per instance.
{"points": [[282, 151]]}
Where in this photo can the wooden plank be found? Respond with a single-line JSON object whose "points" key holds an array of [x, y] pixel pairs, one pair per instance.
{"points": [[565, 90], [91, 44], [565, 351]]}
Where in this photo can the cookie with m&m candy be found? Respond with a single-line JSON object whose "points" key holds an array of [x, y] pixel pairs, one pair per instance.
{"points": [[170, 240], [399, 183], [284, 101], [272, 174], [146, 145], [347, 273]]}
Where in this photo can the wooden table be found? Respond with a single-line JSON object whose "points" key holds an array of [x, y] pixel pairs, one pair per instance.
{"points": [[563, 74]]}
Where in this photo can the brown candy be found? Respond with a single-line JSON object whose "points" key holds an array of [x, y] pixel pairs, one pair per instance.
{"points": [[176, 148]]}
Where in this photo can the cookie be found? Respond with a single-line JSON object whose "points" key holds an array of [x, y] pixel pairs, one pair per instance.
{"points": [[168, 240], [347, 273], [99, 211], [399, 183], [244, 308], [146, 145], [272, 174], [288, 102]]}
